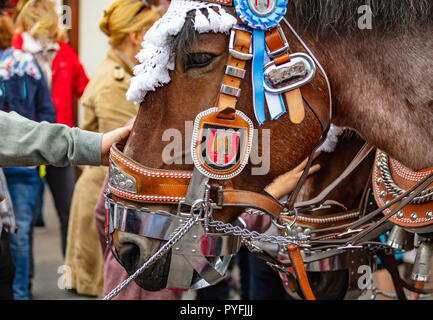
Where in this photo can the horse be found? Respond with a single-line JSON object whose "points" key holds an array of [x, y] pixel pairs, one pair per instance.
{"points": [[381, 85]]}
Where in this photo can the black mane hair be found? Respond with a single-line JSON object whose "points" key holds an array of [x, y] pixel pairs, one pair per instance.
{"points": [[324, 17], [334, 17]]}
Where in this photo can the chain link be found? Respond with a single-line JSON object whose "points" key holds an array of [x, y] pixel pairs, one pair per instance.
{"points": [[245, 234], [220, 226]]}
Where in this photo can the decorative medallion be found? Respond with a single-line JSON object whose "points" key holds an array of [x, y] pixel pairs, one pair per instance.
{"points": [[261, 14], [221, 147]]}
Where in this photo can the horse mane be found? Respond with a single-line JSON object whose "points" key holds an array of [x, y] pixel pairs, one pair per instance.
{"points": [[338, 17], [187, 36]]}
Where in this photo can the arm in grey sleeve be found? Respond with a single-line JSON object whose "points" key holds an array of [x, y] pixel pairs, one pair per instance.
{"points": [[27, 143]]}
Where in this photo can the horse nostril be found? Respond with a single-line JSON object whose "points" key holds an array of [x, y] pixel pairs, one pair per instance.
{"points": [[129, 254]]}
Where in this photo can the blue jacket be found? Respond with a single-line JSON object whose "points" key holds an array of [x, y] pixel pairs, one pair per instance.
{"points": [[23, 88]]}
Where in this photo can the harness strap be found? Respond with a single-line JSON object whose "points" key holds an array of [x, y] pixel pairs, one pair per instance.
{"points": [[391, 266], [356, 162], [301, 274], [249, 199], [276, 43], [171, 187], [232, 79]]}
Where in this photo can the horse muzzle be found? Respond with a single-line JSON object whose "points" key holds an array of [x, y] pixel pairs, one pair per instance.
{"points": [[198, 260]]}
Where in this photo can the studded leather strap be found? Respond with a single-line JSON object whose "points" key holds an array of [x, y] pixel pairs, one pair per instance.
{"points": [[232, 79]]}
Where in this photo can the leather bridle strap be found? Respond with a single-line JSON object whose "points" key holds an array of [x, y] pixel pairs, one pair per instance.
{"points": [[235, 72], [391, 266], [389, 263], [301, 274], [356, 162], [249, 199], [280, 54], [404, 199]]}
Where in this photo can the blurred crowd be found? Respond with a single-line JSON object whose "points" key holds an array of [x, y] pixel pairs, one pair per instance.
{"points": [[40, 76]]}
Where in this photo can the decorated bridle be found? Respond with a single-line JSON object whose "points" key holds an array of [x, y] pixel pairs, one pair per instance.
{"points": [[222, 136], [221, 146]]}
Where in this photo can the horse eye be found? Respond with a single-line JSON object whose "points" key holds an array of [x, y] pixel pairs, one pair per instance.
{"points": [[198, 60]]}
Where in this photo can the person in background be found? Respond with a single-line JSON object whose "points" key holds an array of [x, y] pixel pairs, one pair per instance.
{"points": [[7, 225], [23, 90], [38, 33], [104, 107]]}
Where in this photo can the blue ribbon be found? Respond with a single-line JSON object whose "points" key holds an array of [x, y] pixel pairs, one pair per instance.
{"points": [[257, 75], [274, 101]]}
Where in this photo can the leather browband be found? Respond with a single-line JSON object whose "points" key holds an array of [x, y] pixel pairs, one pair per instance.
{"points": [[170, 187]]}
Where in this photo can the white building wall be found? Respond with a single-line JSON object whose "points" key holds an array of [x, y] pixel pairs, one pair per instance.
{"points": [[93, 43]]}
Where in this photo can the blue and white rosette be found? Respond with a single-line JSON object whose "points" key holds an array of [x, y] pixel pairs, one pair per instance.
{"points": [[262, 15], [258, 21]]}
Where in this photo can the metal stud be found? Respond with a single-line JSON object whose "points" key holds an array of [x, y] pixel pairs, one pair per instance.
{"points": [[235, 72], [429, 214], [232, 91], [382, 194], [400, 214], [379, 181], [413, 216]]}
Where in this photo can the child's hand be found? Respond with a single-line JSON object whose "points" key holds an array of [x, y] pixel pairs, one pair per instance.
{"points": [[286, 183]]}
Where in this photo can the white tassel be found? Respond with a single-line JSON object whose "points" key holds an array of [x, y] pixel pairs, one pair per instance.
{"points": [[227, 21], [156, 60], [215, 20], [201, 23]]}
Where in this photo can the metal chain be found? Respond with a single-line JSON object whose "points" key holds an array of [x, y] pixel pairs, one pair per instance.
{"points": [[396, 191], [174, 238], [219, 226], [245, 234]]}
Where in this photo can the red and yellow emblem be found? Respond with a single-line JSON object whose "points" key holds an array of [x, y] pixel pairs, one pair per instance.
{"points": [[221, 147]]}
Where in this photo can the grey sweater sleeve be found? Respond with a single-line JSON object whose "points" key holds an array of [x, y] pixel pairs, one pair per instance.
{"points": [[27, 143]]}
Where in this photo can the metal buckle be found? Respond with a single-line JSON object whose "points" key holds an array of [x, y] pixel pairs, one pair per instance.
{"points": [[278, 52], [290, 75], [237, 54], [349, 247]]}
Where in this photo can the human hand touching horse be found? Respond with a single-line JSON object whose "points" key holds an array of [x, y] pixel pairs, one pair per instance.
{"points": [[280, 187]]}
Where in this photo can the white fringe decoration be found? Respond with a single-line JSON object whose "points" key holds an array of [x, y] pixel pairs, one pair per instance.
{"points": [[156, 60], [332, 139]]}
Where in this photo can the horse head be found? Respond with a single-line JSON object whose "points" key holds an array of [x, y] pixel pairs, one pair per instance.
{"points": [[183, 66], [187, 69]]}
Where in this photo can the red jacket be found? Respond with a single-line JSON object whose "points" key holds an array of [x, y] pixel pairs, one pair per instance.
{"points": [[68, 80]]}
